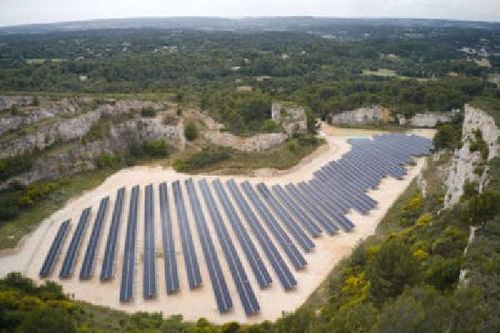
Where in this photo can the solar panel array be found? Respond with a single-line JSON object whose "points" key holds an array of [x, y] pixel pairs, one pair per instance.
{"points": [[289, 217]]}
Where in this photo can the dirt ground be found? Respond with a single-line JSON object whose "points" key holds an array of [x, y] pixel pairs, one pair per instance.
{"points": [[192, 304]]}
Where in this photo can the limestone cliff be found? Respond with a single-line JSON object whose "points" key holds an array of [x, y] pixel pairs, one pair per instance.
{"points": [[374, 114], [55, 132], [464, 164]]}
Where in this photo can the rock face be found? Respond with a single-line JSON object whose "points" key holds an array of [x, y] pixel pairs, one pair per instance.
{"points": [[6, 102], [429, 120], [78, 158], [58, 121], [257, 142], [293, 119], [464, 161], [65, 122], [363, 116], [49, 133]]}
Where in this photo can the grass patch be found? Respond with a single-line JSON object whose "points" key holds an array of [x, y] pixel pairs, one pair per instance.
{"points": [[230, 161], [13, 230]]}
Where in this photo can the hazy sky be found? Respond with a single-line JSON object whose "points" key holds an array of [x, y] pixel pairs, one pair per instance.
{"points": [[40, 11]]}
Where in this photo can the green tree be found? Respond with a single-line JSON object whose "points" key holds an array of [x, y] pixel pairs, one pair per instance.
{"points": [[484, 207], [447, 137], [191, 131], [393, 268]]}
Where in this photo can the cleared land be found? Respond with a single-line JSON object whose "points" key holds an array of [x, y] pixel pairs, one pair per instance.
{"points": [[200, 302]]}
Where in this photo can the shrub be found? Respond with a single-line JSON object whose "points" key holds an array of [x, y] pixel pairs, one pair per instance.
{"points": [[15, 165], [148, 112], [293, 146], [191, 131], [270, 126], [308, 140], [443, 273], [98, 131], [153, 148], [479, 145], [392, 269], [484, 207], [447, 137], [108, 161], [206, 157]]}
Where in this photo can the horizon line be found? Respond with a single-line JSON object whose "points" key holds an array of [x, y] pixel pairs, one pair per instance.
{"points": [[252, 17]]}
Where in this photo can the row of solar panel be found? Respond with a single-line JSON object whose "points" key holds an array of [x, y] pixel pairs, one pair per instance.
{"points": [[323, 201]]}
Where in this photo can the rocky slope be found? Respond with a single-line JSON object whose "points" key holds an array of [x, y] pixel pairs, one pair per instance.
{"points": [[58, 132], [293, 120], [376, 114], [465, 162]]}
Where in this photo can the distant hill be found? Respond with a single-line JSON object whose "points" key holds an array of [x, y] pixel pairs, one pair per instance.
{"points": [[254, 23]]}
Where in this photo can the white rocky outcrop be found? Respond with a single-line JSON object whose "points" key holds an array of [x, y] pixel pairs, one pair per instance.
{"points": [[363, 116], [47, 134], [257, 142], [293, 119], [464, 161], [429, 119], [66, 121]]}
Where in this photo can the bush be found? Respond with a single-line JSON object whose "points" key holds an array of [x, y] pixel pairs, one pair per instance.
{"points": [[443, 273], [108, 161], [308, 140], [191, 131], [484, 207], [48, 319], [12, 166], [206, 157], [148, 112], [150, 149], [35, 192], [393, 268], [98, 131], [447, 137], [270, 126], [9, 207], [479, 145]]}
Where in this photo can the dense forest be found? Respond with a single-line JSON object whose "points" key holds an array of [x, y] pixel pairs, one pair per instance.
{"points": [[235, 74]]}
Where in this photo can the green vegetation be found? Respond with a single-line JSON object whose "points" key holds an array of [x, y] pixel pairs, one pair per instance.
{"points": [[449, 135], [98, 131], [24, 208], [149, 149], [191, 131], [478, 144], [207, 157], [324, 74], [230, 161], [15, 165], [148, 112]]}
